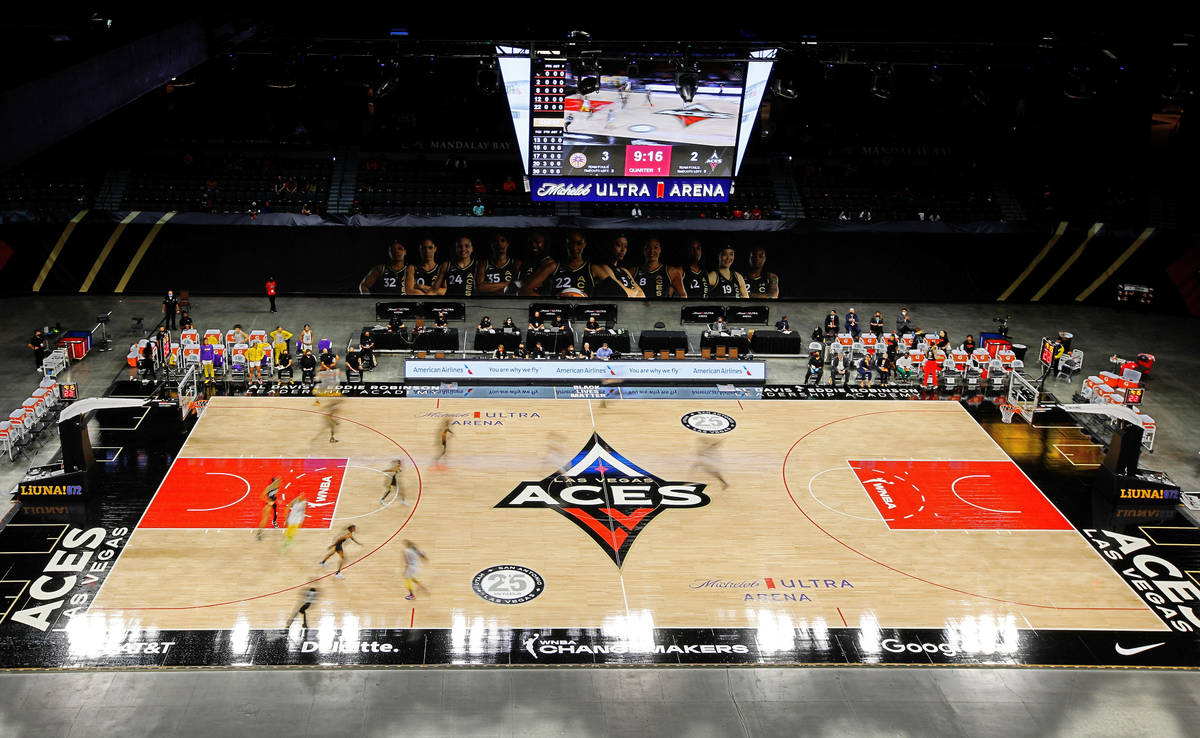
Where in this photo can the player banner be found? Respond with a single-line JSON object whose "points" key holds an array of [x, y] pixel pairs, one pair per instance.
{"points": [[612, 189]]}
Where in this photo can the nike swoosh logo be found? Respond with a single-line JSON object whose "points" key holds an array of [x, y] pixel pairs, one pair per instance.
{"points": [[1132, 651]]}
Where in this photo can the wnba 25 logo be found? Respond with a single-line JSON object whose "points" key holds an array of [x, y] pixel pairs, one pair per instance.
{"points": [[607, 496]]}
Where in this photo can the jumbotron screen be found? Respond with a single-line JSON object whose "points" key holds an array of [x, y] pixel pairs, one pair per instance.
{"points": [[634, 138], [634, 126]]}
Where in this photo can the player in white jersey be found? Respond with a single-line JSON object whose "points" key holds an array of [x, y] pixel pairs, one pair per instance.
{"points": [[413, 557], [295, 518]]}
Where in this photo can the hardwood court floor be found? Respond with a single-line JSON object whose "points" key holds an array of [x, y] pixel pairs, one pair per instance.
{"points": [[871, 514]]}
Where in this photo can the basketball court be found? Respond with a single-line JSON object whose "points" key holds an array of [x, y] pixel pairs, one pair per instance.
{"points": [[620, 519]]}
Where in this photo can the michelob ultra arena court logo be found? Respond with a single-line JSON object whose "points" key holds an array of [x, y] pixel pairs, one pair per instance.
{"points": [[609, 497]]}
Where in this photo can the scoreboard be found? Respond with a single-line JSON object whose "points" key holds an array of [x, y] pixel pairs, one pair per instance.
{"points": [[634, 139]]}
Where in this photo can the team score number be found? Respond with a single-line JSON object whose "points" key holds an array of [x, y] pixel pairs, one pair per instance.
{"points": [[508, 585]]}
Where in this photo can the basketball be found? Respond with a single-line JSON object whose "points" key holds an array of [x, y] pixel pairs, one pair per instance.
{"points": [[572, 292]]}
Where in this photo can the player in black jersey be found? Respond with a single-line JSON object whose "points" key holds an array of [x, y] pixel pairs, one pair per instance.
{"points": [[656, 278], [535, 261], [389, 278], [425, 274], [724, 282], [761, 284], [458, 276], [623, 275], [572, 277], [498, 275], [695, 279]]}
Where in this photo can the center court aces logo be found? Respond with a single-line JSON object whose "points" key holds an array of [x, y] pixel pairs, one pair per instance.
{"points": [[607, 496]]}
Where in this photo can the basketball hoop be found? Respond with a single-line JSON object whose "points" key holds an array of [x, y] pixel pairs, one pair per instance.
{"points": [[1006, 412]]}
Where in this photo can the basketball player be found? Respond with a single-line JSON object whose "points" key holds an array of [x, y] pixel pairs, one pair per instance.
{"points": [[391, 277], [498, 275], [424, 276], [336, 548], [725, 282], [622, 275], [611, 121], [761, 284], [574, 277], [310, 597], [538, 259], [270, 511], [331, 418], [295, 518], [394, 483], [444, 438], [708, 458], [413, 557], [458, 276], [655, 278], [695, 282]]}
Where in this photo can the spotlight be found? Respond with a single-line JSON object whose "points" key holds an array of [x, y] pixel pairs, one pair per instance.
{"points": [[485, 77], [687, 79], [783, 88], [881, 81]]}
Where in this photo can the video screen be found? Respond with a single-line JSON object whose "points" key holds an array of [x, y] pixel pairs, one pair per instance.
{"points": [[638, 125]]}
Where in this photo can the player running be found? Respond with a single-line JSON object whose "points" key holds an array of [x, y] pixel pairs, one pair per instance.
{"points": [[413, 557], [336, 548], [395, 483], [271, 498], [444, 439], [295, 518]]}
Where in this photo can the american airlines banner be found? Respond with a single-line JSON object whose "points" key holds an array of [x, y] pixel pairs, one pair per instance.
{"points": [[618, 189]]}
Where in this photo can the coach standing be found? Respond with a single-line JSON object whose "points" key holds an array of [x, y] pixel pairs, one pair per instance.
{"points": [[271, 292], [38, 343], [170, 308]]}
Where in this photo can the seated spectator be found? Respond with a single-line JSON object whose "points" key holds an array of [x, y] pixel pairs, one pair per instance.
{"points": [[838, 370], [509, 326], [782, 325], [485, 325], [943, 341], [592, 326], [500, 353], [831, 326], [254, 359], [283, 361], [538, 352], [569, 352], [865, 368], [604, 353], [852, 326], [509, 185], [440, 323], [885, 367], [308, 367], [329, 360], [559, 324], [536, 323], [521, 352], [586, 351], [185, 321], [968, 345], [397, 325], [366, 348], [877, 323], [818, 334], [720, 326], [816, 367], [903, 367], [354, 362]]}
